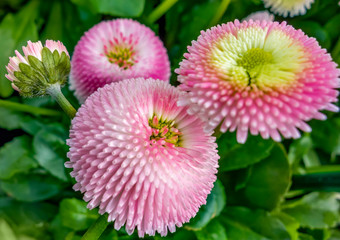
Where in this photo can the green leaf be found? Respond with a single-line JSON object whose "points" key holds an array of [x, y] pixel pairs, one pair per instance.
{"points": [[215, 203], [10, 120], [242, 155], [243, 223], [50, 150], [213, 231], [28, 220], [314, 210], [58, 230], [298, 149], [332, 27], [15, 157], [6, 231], [329, 142], [259, 190], [15, 30], [75, 215], [31, 188], [290, 223], [121, 8]]}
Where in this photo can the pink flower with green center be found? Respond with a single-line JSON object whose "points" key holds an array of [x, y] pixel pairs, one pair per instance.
{"points": [[262, 77], [288, 7], [141, 158], [115, 50]]}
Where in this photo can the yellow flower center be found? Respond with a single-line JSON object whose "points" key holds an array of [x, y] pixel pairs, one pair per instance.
{"points": [[257, 58], [164, 131], [123, 56]]}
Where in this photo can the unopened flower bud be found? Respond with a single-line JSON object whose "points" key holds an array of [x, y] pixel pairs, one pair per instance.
{"points": [[39, 69]]}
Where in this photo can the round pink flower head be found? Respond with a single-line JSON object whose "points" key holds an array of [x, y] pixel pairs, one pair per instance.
{"points": [[40, 68], [115, 50], [140, 157], [288, 7], [262, 77]]}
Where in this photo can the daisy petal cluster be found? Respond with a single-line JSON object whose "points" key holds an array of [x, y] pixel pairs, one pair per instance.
{"points": [[40, 68], [264, 77], [288, 7], [115, 50], [141, 158]]}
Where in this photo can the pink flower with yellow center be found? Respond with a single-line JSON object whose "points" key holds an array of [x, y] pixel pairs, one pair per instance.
{"points": [[262, 77], [115, 50], [288, 7], [140, 157]]}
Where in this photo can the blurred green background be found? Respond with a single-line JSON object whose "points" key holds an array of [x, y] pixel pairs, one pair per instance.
{"points": [[265, 190]]}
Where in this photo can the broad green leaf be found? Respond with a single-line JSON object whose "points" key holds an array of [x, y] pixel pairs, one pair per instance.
{"points": [[15, 157], [213, 231], [31, 188], [50, 150], [291, 224], [266, 184], [303, 236], [335, 234], [242, 155], [15, 30], [332, 27], [244, 223], [9, 119], [326, 135], [215, 203], [315, 210], [6, 231], [121, 8], [28, 220], [75, 215], [58, 230], [109, 234], [298, 149]]}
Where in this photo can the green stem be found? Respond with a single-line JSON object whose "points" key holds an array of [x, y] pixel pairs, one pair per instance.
{"points": [[160, 10], [325, 181], [97, 228], [28, 108], [56, 93], [220, 11]]}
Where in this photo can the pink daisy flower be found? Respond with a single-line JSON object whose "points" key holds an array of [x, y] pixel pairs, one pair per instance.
{"points": [[262, 77], [27, 86], [115, 50], [288, 7], [261, 16], [140, 157]]}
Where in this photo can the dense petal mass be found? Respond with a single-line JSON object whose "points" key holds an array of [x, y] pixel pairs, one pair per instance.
{"points": [[288, 7], [140, 157], [262, 77], [115, 50]]}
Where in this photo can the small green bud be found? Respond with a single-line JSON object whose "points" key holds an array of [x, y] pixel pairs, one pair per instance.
{"points": [[40, 68]]}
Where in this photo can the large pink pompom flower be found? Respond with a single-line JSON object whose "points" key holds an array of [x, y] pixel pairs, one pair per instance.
{"points": [[140, 157], [115, 50], [262, 77]]}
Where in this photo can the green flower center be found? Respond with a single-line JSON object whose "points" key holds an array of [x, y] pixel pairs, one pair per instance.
{"points": [[123, 56], [253, 58], [164, 131]]}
